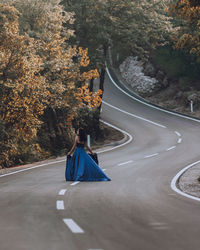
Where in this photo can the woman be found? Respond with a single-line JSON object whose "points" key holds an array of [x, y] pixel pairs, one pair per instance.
{"points": [[80, 166]]}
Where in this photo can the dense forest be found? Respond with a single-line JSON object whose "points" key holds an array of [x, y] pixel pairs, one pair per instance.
{"points": [[51, 52]]}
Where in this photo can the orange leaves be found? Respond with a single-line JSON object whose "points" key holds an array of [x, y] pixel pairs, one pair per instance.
{"points": [[186, 10], [188, 37], [9, 18], [84, 57], [86, 76], [37, 69], [24, 93], [92, 100]]}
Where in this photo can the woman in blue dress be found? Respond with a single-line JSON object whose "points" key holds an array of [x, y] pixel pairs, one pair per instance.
{"points": [[80, 166]]}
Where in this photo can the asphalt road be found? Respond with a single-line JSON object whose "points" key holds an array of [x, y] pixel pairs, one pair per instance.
{"points": [[137, 210]]}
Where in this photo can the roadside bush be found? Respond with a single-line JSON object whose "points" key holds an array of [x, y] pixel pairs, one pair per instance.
{"points": [[89, 120], [54, 136], [176, 63]]}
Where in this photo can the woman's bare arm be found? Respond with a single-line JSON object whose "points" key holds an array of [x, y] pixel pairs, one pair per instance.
{"points": [[73, 147], [88, 148]]}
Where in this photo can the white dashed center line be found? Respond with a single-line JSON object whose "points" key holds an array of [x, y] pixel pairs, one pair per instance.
{"points": [[171, 148], [123, 163], [178, 133], [60, 205], [74, 183], [73, 226], [148, 156], [62, 191], [179, 140]]}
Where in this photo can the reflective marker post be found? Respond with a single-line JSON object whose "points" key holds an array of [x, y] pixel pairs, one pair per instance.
{"points": [[191, 106], [88, 140]]}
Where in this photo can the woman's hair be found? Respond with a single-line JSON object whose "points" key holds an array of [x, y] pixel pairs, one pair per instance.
{"points": [[82, 135]]}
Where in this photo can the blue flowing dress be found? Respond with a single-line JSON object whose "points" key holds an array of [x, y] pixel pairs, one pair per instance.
{"points": [[81, 167]]}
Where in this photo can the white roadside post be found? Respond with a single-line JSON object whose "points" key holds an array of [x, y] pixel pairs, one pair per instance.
{"points": [[88, 140], [191, 106]]}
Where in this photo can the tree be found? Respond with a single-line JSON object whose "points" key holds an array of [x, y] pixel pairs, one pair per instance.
{"points": [[38, 72], [23, 90], [101, 24], [187, 37]]}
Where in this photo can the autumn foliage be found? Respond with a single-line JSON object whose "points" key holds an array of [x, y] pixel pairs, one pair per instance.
{"points": [[38, 73], [188, 36], [88, 98]]}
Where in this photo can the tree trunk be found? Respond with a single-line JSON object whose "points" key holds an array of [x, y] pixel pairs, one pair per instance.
{"points": [[101, 83], [102, 78], [91, 84], [102, 74]]}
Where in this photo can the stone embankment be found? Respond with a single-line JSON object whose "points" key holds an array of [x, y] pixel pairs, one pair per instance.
{"points": [[142, 78], [145, 80]]}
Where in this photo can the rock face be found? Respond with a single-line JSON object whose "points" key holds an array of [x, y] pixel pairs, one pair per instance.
{"points": [[132, 71], [149, 70]]}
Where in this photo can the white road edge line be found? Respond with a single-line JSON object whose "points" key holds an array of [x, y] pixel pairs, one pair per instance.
{"points": [[73, 226], [60, 205], [175, 180], [179, 140], [121, 145], [74, 183], [177, 133], [99, 152], [62, 191], [26, 169], [124, 163], [136, 116], [148, 156], [170, 148], [147, 104]]}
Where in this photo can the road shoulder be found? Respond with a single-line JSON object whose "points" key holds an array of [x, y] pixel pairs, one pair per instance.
{"points": [[189, 181], [114, 138]]}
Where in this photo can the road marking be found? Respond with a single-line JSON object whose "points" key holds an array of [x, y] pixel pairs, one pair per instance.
{"points": [[26, 169], [178, 133], [179, 140], [148, 156], [148, 104], [176, 178], [64, 160], [171, 148], [60, 205], [104, 169], [124, 163], [121, 145], [73, 226], [62, 191], [74, 183], [136, 116], [159, 225], [161, 228]]}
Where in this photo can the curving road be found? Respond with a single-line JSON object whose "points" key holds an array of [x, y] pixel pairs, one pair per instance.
{"points": [[137, 210]]}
